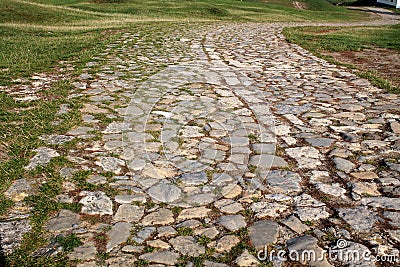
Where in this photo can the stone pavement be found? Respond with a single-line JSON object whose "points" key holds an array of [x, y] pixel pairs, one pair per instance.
{"points": [[215, 141]]}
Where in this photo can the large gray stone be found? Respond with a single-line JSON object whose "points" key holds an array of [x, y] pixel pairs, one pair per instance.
{"points": [[119, 233], [42, 158], [382, 202], [320, 142], [64, 221], [295, 224], [359, 218], [284, 182], [165, 192], [55, 139], [129, 213], [302, 246], [265, 162], [263, 233], [161, 257], [196, 178], [186, 245], [307, 157], [111, 164], [343, 164], [263, 148], [11, 234], [85, 252], [96, 203], [232, 222], [20, 189]]}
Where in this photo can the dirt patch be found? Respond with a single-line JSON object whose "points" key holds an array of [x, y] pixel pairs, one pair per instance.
{"points": [[300, 5], [385, 62]]}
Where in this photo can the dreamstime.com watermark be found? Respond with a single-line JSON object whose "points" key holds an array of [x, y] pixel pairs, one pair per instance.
{"points": [[341, 252]]}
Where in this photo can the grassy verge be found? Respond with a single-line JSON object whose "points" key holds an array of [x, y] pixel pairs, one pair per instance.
{"points": [[227, 10], [320, 40], [25, 51]]}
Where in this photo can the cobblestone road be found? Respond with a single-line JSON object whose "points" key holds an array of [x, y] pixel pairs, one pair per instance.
{"points": [[209, 143]]}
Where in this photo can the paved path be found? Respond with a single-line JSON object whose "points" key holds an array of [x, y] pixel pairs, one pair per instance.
{"points": [[232, 140]]}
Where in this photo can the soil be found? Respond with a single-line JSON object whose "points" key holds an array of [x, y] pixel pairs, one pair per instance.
{"points": [[386, 62]]}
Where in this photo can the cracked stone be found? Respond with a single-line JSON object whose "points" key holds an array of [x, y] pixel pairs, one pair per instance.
{"points": [[306, 157], [42, 158], [263, 233], [96, 203], [161, 257], [295, 224], [165, 192], [64, 221], [343, 164], [232, 222], [111, 164], [119, 234], [160, 217], [11, 234], [186, 245], [129, 213], [359, 218], [194, 213]]}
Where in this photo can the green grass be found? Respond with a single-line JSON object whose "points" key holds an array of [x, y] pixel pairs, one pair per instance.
{"points": [[26, 51], [334, 39], [22, 12], [250, 10], [319, 40]]}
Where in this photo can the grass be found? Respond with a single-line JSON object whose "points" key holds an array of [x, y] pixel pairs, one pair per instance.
{"points": [[320, 40], [334, 39], [26, 51], [229, 10]]}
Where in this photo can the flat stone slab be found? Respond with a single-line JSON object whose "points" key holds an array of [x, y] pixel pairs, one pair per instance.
{"points": [[85, 252], [359, 218], [119, 233], [265, 162], [64, 221], [129, 213], [295, 224], [382, 202], [42, 158], [186, 245], [111, 164], [11, 234], [165, 192], [232, 222], [263, 233], [20, 189], [161, 257], [159, 217], [96, 203], [307, 157], [284, 181], [192, 179]]}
